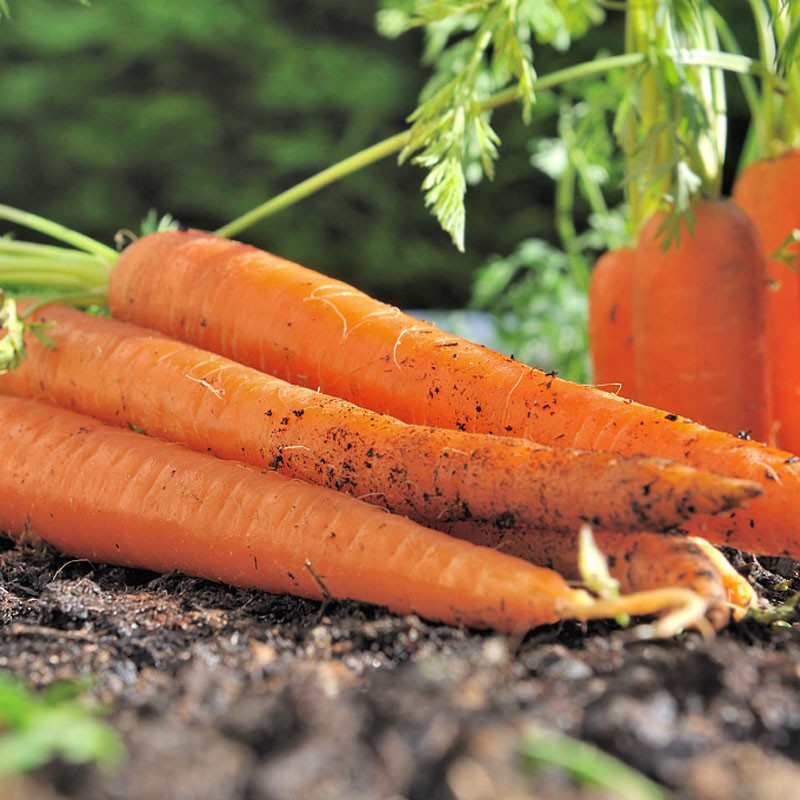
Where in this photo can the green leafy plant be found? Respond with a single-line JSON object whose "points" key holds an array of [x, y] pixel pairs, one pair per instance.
{"points": [[476, 49], [537, 295], [589, 766], [538, 307], [36, 727]]}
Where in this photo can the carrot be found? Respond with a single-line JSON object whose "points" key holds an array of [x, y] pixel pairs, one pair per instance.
{"points": [[310, 329], [767, 191], [698, 320], [610, 322], [109, 494], [639, 561], [127, 375]]}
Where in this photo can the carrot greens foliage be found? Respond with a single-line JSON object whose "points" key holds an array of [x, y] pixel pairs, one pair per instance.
{"points": [[36, 727], [476, 49]]}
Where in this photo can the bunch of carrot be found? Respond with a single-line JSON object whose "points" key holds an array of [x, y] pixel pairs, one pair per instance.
{"points": [[246, 419], [436, 431], [700, 314]]}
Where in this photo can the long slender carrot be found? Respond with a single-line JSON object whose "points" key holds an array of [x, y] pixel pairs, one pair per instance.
{"points": [[310, 329], [127, 375], [101, 492], [699, 315], [610, 322], [767, 190]]}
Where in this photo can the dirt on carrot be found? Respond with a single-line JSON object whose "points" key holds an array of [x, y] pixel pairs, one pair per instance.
{"points": [[113, 495], [108, 494]]}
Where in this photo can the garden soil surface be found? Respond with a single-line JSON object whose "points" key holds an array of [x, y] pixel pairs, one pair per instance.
{"points": [[223, 693]]}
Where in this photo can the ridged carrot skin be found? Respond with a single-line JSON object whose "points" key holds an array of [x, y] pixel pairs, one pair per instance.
{"points": [[768, 192], [699, 320], [104, 493], [610, 322], [310, 329], [130, 376]]}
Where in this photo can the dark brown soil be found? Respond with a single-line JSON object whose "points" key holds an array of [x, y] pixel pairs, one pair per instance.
{"points": [[221, 693]]}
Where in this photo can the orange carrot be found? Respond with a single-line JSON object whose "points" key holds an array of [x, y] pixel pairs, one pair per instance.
{"points": [[127, 375], [610, 322], [699, 318], [105, 493], [639, 561], [309, 329], [768, 191]]}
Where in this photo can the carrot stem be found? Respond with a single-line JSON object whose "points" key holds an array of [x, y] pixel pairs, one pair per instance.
{"points": [[377, 152], [57, 231]]}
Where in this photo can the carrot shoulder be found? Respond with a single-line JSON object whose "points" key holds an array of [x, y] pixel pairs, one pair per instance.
{"points": [[309, 329], [105, 493], [699, 316], [127, 375]]}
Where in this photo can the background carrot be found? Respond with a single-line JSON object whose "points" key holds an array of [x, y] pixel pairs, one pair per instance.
{"points": [[610, 322], [309, 329], [699, 319], [698, 276], [100, 492], [127, 375], [768, 191]]}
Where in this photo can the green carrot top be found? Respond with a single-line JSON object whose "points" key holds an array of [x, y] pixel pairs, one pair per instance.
{"points": [[672, 125], [775, 110]]}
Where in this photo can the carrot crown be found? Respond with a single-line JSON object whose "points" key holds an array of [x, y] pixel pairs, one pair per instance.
{"points": [[775, 109], [672, 126]]}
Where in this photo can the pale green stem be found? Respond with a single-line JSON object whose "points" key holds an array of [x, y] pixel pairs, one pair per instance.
{"points": [[18, 249], [56, 231], [342, 169], [83, 299], [40, 275], [790, 117], [747, 83], [395, 144]]}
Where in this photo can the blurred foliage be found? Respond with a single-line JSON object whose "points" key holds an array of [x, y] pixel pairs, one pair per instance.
{"points": [[37, 727], [538, 302], [111, 110]]}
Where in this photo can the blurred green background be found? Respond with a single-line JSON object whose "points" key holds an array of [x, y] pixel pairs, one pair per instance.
{"points": [[205, 110]]}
